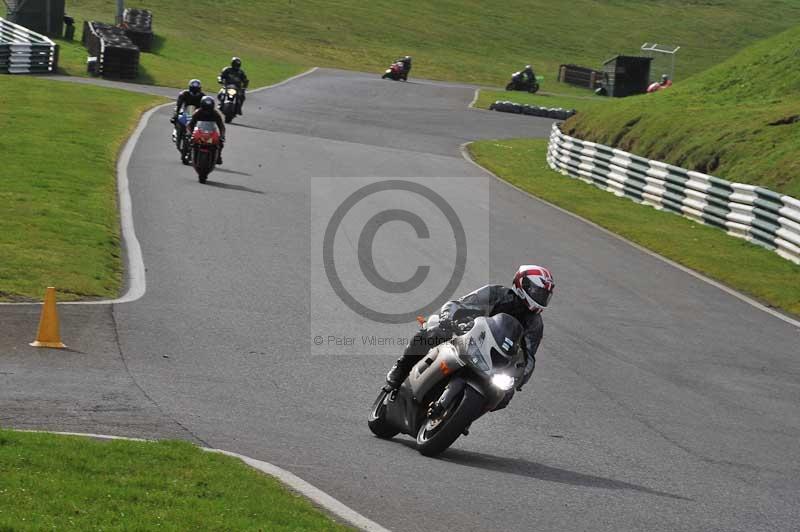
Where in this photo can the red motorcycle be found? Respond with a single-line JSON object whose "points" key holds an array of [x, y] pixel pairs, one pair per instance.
{"points": [[395, 71], [205, 145]]}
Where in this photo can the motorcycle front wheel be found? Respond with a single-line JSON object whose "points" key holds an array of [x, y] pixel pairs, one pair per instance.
{"points": [[377, 418], [533, 89], [437, 434], [510, 87]]}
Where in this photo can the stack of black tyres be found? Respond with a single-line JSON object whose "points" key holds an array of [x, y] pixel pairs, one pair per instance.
{"points": [[139, 27], [117, 56], [556, 113]]}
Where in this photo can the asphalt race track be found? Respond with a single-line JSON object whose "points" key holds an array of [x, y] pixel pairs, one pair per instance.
{"points": [[659, 402]]}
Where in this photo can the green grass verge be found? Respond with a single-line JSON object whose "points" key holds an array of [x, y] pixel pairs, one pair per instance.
{"points": [[468, 40], [699, 247], [59, 224], [739, 120], [50, 482]]}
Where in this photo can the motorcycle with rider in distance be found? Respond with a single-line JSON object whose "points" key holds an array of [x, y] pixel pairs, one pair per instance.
{"points": [[457, 382], [228, 98], [521, 82], [395, 71], [205, 143]]}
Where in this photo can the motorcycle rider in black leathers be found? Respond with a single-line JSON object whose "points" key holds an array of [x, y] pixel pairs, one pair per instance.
{"points": [[208, 113], [406, 62], [191, 96], [234, 75], [528, 76], [525, 300]]}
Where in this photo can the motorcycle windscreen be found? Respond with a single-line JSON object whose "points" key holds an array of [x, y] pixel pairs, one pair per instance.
{"points": [[206, 127]]}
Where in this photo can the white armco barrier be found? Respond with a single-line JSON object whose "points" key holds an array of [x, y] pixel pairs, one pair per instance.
{"points": [[23, 51], [754, 213]]}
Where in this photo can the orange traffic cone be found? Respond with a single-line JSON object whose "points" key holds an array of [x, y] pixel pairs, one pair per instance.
{"points": [[48, 335]]}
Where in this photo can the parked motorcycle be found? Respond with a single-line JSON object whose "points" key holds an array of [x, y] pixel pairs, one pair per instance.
{"points": [[454, 384], [395, 72], [205, 144], [181, 137], [519, 82], [228, 102]]}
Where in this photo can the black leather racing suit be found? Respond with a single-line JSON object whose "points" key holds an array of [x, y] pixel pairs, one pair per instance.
{"points": [[486, 301], [406, 67], [202, 115], [185, 99], [234, 76]]}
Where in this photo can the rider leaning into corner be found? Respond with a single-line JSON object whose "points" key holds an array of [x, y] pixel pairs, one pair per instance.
{"points": [[406, 62], [528, 296], [208, 113], [234, 75]]}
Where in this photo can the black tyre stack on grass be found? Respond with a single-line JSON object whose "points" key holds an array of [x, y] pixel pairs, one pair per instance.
{"points": [[531, 110], [138, 24], [117, 56]]}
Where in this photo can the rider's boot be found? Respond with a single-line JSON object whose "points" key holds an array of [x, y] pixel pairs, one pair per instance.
{"points": [[401, 369]]}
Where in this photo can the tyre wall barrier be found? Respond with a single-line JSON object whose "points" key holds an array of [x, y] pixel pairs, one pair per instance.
{"points": [[23, 51], [138, 24], [556, 113], [117, 56], [757, 214]]}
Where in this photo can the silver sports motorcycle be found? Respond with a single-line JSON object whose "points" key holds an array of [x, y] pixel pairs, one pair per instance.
{"points": [[454, 384]]}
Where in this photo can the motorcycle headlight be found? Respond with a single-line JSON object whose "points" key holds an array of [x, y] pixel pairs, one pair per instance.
{"points": [[503, 381], [231, 92]]}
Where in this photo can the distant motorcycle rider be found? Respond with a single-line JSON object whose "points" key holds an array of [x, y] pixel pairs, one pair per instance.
{"points": [[406, 62], [208, 113], [234, 75], [189, 97], [528, 76], [528, 296]]}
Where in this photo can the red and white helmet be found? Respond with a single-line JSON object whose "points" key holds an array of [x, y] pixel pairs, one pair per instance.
{"points": [[534, 285]]}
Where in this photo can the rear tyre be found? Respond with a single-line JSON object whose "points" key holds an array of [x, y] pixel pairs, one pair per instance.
{"points": [[436, 435], [377, 418]]}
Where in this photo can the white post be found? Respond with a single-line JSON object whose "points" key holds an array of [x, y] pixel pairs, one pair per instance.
{"points": [[120, 9]]}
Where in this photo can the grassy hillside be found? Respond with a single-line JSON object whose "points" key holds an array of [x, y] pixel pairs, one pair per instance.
{"points": [[59, 224], [739, 120], [470, 40]]}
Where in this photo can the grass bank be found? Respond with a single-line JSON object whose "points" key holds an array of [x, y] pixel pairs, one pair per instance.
{"points": [[50, 482], [701, 248], [467, 40], [739, 120], [59, 223]]}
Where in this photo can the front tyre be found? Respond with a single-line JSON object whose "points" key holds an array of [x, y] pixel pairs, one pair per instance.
{"points": [[377, 418], [436, 435], [229, 110], [510, 86], [534, 88]]}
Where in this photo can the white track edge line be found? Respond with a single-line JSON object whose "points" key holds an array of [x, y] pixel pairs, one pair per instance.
{"points": [[135, 269], [474, 99], [311, 492], [728, 290]]}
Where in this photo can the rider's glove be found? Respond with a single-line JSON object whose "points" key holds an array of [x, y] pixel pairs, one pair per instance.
{"points": [[222, 140], [172, 120]]}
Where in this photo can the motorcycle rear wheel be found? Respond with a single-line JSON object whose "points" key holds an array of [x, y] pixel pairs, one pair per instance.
{"points": [[377, 419], [436, 435]]}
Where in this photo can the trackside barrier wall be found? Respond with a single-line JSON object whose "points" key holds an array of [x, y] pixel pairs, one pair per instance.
{"points": [[23, 51], [756, 214]]}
